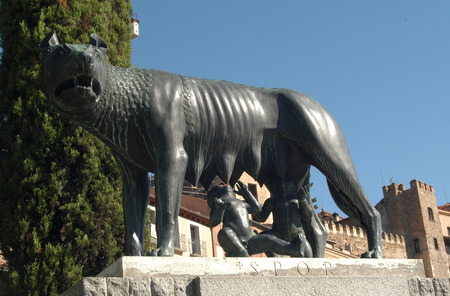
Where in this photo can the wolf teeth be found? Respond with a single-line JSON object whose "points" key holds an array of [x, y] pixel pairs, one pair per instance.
{"points": [[76, 83]]}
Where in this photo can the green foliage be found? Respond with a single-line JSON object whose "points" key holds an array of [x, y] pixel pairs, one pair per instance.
{"points": [[60, 199], [148, 244]]}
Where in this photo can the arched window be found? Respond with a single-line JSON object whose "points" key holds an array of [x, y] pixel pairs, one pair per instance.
{"points": [[436, 245], [430, 214], [416, 245]]}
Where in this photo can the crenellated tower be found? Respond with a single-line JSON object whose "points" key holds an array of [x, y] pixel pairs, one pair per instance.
{"points": [[413, 213]]}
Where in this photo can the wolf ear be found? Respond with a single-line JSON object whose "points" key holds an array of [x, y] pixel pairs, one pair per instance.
{"points": [[50, 40], [98, 42]]}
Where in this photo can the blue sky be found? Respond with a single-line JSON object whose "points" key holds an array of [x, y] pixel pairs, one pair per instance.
{"points": [[382, 69]]}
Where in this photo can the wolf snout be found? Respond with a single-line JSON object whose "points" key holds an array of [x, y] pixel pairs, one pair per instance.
{"points": [[84, 63]]}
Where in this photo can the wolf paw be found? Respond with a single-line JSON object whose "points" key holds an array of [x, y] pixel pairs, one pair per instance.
{"points": [[160, 252], [376, 253]]}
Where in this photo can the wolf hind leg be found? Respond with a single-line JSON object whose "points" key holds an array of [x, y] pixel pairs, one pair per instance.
{"points": [[352, 200], [327, 150]]}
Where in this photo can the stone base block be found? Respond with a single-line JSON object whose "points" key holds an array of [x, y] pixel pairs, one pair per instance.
{"points": [[380, 286], [261, 286], [260, 276], [199, 266]]}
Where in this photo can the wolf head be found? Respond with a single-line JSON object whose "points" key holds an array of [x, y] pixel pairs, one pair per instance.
{"points": [[74, 76]]}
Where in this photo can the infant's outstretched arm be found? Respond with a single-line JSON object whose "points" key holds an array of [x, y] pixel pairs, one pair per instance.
{"points": [[254, 207], [265, 212], [306, 207]]}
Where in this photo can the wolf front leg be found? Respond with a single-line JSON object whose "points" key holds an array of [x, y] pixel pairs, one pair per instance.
{"points": [[136, 190], [169, 184]]}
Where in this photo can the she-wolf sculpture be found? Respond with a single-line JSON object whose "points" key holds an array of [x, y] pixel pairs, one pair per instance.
{"points": [[194, 129]]}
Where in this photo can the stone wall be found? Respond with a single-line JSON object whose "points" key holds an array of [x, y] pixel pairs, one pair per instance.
{"points": [[354, 240]]}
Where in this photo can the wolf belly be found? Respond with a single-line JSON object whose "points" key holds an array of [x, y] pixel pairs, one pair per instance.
{"points": [[230, 114]]}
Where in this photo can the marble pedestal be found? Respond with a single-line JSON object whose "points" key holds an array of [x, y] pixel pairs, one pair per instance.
{"points": [[261, 276]]}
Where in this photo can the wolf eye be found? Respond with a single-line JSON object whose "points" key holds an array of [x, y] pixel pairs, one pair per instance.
{"points": [[59, 53], [97, 57]]}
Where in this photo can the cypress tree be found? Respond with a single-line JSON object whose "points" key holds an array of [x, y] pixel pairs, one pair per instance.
{"points": [[60, 200]]}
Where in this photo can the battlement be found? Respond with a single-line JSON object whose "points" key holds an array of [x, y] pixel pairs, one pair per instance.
{"points": [[418, 184], [346, 230], [353, 240], [397, 189], [394, 187]]}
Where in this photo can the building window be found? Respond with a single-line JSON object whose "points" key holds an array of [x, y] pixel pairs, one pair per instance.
{"points": [[348, 248], [416, 245], [195, 240], [447, 245], [253, 189], [430, 214], [448, 231], [180, 240], [436, 245]]}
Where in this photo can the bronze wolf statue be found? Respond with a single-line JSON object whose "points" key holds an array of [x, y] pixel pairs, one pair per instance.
{"points": [[194, 129]]}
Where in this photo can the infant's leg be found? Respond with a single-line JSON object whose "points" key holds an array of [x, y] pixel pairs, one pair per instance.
{"points": [[303, 246], [231, 244]]}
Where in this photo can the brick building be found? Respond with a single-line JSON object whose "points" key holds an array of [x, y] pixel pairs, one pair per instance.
{"points": [[413, 214]]}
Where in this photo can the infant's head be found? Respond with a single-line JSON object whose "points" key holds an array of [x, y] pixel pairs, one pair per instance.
{"points": [[217, 192]]}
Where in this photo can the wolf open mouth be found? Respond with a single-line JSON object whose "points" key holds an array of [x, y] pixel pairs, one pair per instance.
{"points": [[83, 85]]}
